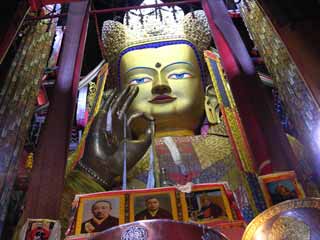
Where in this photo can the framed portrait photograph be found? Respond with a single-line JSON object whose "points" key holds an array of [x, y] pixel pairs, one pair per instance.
{"points": [[279, 187], [100, 211], [153, 204], [206, 203]]}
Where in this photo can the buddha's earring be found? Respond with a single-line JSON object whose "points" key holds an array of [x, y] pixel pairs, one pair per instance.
{"points": [[211, 105]]}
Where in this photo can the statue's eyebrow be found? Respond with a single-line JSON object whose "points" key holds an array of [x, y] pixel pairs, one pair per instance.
{"points": [[175, 63], [138, 68]]}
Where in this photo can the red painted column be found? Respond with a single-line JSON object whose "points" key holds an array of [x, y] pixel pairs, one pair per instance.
{"points": [[46, 186], [265, 135]]}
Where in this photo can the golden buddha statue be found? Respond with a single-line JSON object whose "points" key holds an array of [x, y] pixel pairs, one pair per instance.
{"points": [[160, 115], [158, 66], [160, 107]]}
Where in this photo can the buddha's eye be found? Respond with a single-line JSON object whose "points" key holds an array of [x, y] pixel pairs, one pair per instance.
{"points": [[180, 75], [137, 81]]}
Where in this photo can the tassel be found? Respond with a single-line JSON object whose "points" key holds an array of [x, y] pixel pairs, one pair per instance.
{"points": [[151, 182], [124, 176], [109, 121], [151, 179]]}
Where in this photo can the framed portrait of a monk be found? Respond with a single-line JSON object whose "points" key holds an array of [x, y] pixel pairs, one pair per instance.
{"points": [[153, 204], [99, 212], [206, 203], [279, 187]]}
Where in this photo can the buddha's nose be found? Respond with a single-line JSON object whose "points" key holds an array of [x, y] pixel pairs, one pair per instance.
{"points": [[160, 86]]}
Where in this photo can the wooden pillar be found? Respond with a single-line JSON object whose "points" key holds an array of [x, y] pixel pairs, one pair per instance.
{"points": [[47, 180], [265, 135]]}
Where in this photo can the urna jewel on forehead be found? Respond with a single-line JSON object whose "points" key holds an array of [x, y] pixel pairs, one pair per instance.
{"points": [[154, 25]]}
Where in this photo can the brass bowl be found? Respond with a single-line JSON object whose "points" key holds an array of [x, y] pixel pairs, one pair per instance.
{"points": [[292, 219]]}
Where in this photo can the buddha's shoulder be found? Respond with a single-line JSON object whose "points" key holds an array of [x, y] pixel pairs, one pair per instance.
{"points": [[211, 140], [216, 139], [207, 150], [215, 145]]}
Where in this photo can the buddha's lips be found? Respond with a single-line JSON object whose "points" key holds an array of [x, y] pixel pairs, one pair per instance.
{"points": [[162, 99]]}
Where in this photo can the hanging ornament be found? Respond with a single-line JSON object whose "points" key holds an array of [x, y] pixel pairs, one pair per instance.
{"points": [[141, 17], [174, 13]]}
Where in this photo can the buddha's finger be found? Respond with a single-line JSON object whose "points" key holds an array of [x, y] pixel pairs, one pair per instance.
{"points": [[134, 116], [132, 94], [121, 98], [100, 120], [148, 117], [138, 115], [110, 97]]}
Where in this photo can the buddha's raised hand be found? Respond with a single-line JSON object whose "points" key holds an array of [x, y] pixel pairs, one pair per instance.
{"points": [[103, 154]]}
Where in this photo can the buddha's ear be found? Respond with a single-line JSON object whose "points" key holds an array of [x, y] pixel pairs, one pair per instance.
{"points": [[211, 105]]}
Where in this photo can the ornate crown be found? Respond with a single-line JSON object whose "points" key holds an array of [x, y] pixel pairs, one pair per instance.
{"points": [[154, 25]]}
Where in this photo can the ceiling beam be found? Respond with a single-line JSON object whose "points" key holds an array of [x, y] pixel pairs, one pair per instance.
{"points": [[121, 9]]}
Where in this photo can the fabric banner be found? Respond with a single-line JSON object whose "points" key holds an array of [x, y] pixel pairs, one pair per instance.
{"points": [[17, 102], [229, 112], [82, 114], [238, 139]]}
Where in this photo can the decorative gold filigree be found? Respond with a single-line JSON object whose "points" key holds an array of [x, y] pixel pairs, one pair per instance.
{"points": [[92, 91], [298, 100], [196, 30], [289, 228], [116, 36]]}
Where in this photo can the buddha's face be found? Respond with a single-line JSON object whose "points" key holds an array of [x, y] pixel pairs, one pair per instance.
{"points": [[170, 88]]}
